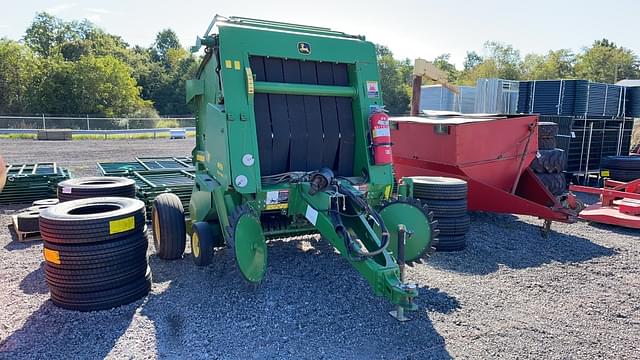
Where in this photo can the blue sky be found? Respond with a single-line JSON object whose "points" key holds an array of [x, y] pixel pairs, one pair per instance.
{"points": [[410, 28]]}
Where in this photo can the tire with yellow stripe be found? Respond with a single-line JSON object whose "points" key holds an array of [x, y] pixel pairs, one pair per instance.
{"points": [[95, 252], [92, 220]]}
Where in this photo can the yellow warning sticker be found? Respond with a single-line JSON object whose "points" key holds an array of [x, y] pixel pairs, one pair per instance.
{"points": [[200, 157], [277, 206], [236, 65], [387, 191], [604, 173], [52, 256], [122, 225], [227, 64]]}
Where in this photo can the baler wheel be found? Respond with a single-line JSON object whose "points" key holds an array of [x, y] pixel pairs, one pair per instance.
{"points": [[417, 218], [169, 228], [202, 243], [248, 243]]}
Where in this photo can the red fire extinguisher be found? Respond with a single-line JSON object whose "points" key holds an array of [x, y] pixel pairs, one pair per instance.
{"points": [[381, 137]]}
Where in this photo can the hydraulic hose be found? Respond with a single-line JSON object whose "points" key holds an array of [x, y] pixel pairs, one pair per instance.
{"points": [[360, 202]]}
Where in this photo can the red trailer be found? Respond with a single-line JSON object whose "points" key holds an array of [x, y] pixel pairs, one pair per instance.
{"points": [[492, 153]]}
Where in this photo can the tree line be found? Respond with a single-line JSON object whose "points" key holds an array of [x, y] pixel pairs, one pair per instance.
{"points": [[603, 61], [74, 67]]}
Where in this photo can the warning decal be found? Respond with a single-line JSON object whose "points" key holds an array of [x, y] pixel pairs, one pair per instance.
{"points": [[372, 89]]}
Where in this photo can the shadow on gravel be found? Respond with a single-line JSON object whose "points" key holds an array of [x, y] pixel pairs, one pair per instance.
{"points": [[14, 244], [312, 304], [51, 332], [503, 240], [34, 282], [616, 229]]}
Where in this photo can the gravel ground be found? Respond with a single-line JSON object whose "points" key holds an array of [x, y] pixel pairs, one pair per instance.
{"points": [[510, 294]]}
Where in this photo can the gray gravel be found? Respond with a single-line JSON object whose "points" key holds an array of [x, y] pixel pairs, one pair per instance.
{"points": [[511, 294]]}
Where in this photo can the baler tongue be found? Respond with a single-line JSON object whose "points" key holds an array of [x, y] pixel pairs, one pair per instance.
{"points": [[375, 243]]}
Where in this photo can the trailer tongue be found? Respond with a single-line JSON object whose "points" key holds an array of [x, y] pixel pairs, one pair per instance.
{"points": [[284, 148]]}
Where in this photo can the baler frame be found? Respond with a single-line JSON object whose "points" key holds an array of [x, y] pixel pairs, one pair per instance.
{"points": [[244, 192]]}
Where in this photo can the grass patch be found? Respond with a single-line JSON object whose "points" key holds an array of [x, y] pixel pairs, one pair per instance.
{"points": [[100, 137], [17, 136]]}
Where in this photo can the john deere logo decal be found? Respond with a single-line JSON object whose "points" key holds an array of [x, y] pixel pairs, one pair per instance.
{"points": [[304, 48]]}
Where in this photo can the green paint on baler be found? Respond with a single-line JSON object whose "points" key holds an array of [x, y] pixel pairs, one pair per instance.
{"points": [[227, 156]]}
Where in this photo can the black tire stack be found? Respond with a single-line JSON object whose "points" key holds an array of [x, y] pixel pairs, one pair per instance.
{"points": [[97, 186], [622, 168], [447, 199], [95, 253], [550, 161]]}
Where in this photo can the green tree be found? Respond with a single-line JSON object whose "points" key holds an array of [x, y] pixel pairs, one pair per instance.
{"points": [[44, 34], [604, 61], [443, 63], [556, 64], [166, 40], [103, 85], [501, 61], [18, 66], [394, 81], [471, 60]]}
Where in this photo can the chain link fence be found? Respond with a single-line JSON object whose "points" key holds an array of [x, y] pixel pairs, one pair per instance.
{"points": [[88, 123]]}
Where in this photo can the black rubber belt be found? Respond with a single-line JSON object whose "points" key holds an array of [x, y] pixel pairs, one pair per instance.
{"points": [[329, 118], [279, 118], [313, 118], [297, 120], [345, 122], [263, 119]]}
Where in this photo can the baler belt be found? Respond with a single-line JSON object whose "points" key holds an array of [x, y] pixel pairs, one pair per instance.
{"points": [[347, 137], [345, 121], [263, 119], [329, 117], [279, 118], [297, 120], [313, 118], [303, 133]]}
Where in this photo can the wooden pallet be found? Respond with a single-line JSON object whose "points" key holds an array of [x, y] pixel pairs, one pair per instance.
{"points": [[24, 236]]}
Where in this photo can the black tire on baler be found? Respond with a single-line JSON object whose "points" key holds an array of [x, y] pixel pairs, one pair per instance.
{"points": [[439, 188], [169, 227], [555, 183], [202, 243], [549, 161]]}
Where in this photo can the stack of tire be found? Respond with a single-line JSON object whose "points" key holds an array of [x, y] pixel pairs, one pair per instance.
{"points": [[622, 168], [97, 186], [550, 161], [95, 252], [27, 220], [447, 199]]}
